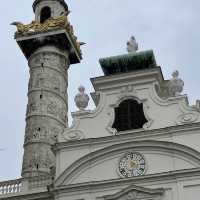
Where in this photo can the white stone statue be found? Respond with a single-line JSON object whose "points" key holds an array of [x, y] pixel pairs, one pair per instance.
{"points": [[175, 84], [132, 45], [81, 99]]}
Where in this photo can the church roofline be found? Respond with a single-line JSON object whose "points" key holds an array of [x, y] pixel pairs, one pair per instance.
{"points": [[128, 62]]}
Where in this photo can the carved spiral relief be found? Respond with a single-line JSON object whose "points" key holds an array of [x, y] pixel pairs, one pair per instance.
{"points": [[41, 133], [49, 107], [50, 59], [36, 159], [46, 81]]}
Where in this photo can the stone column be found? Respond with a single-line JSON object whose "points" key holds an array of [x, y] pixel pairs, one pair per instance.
{"points": [[47, 108]]}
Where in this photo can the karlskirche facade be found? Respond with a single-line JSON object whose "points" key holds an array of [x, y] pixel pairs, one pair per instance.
{"points": [[141, 142]]}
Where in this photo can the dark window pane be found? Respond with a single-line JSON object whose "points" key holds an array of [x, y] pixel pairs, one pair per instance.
{"points": [[129, 115], [45, 14]]}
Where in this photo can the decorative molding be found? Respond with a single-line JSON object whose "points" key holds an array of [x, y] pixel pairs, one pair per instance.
{"points": [[187, 118], [159, 178], [134, 192], [127, 92], [77, 116], [132, 135], [73, 135]]}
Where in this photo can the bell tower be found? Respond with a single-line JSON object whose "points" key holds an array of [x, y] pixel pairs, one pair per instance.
{"points": [[50, 46]]}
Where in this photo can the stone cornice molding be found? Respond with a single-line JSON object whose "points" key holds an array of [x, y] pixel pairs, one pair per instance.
{"points": [[131, 135], [159, 178], [178, 150], [147, 75]]}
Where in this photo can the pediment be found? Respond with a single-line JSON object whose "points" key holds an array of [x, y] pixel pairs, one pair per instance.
{"points": [[160, 156], [134, 192]]}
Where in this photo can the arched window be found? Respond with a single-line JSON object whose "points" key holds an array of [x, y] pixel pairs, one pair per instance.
{"points": [[129, 115], [45, 14]]}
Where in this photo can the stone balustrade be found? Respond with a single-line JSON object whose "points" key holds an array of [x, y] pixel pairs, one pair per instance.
{"points": [[24, 186], [10, 187]]}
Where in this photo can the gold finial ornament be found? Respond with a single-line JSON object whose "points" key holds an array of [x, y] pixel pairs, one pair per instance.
{"points": [[50, 24], [57, 22]]}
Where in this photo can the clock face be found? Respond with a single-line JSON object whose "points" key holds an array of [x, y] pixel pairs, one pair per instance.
{"points": [[132, 164]]}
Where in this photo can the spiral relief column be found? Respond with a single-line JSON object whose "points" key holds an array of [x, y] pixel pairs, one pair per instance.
{"points": [[50, 46], [46, 110]]}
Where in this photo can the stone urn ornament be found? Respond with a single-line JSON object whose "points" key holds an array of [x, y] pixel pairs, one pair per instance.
{"points": [[81, 99], [175, 84]]}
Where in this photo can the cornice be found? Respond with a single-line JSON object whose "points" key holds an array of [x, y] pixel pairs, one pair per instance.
{"points": [[131, 135], [170, 176], [141, 75]]}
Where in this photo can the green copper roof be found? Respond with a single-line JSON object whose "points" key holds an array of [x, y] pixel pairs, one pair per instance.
{"points": [[128, 62]]}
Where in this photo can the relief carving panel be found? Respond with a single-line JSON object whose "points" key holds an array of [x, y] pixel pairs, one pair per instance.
{"points": [[48, 106], [48, 134]]}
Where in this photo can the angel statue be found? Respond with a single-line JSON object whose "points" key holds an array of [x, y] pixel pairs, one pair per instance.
{"points": [[132, 45]]}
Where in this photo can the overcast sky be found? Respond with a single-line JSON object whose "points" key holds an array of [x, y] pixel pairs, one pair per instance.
{"points": [[170, 27]]}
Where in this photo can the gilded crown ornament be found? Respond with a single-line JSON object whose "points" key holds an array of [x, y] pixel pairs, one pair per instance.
{"points": [[50, 24]]}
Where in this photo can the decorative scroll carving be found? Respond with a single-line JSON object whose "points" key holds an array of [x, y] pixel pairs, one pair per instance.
{"points": [[187, 118], [73, 135], [131, 195]]}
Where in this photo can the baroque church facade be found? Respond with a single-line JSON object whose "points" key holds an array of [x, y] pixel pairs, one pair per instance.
{"points": [[141, 142]]}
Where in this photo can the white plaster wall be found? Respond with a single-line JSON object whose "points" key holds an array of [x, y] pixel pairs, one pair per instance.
{"points": [[67, 156], [160, 113], [107, 169]]}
